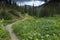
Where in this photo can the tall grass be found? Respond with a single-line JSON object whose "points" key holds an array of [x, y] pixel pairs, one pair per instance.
{"points": [[38, 29], [4, 35]]}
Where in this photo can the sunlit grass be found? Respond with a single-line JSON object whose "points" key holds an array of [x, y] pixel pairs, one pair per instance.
{"points": [[38, 29], [4, 35]]}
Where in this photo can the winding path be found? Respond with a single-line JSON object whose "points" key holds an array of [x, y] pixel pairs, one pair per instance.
{"points": [[10, 30], [11, 33]]}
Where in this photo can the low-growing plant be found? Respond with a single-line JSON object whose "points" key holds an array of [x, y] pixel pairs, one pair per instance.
{"points": [[5, 15], [4, 35], [38, 29]]}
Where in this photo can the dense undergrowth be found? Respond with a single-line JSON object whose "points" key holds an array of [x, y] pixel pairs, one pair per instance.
{"points": [[4, 35], [10, 14], [38, 29], [45, 27]]}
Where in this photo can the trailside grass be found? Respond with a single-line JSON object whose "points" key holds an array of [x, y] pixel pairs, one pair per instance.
{"points": [[38, 28], [4, 35]]}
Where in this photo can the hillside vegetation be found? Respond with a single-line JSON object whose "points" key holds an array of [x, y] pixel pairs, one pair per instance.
{"points": [[4, 35], [41, 23], [38, 28]]}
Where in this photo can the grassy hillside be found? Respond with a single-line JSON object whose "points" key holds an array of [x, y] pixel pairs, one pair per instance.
{"points": [[38, 28], [43, 25], [10, 13]]}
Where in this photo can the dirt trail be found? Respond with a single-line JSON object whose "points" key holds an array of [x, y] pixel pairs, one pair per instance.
{"points": [[10, 30], [11, 33]]}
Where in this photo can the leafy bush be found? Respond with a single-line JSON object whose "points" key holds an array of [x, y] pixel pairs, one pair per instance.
{"points": [[8, 14], [14, 12], [38, 29], [5, 15], [5, 22], [3, 33]]}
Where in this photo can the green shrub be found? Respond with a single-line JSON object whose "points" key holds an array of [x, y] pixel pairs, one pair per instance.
{"points": [[14, 12], [4, 35], [5, 15]]}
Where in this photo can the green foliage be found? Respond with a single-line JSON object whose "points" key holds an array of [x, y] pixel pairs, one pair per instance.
{"points": [[38, 29], [3, 33], [14, 13], [44, 11], [6, 16], [5, 22], [49, 11]]}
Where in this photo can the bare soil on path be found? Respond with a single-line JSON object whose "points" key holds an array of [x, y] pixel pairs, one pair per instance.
{"points": [[10, 30], [11, 33]]}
